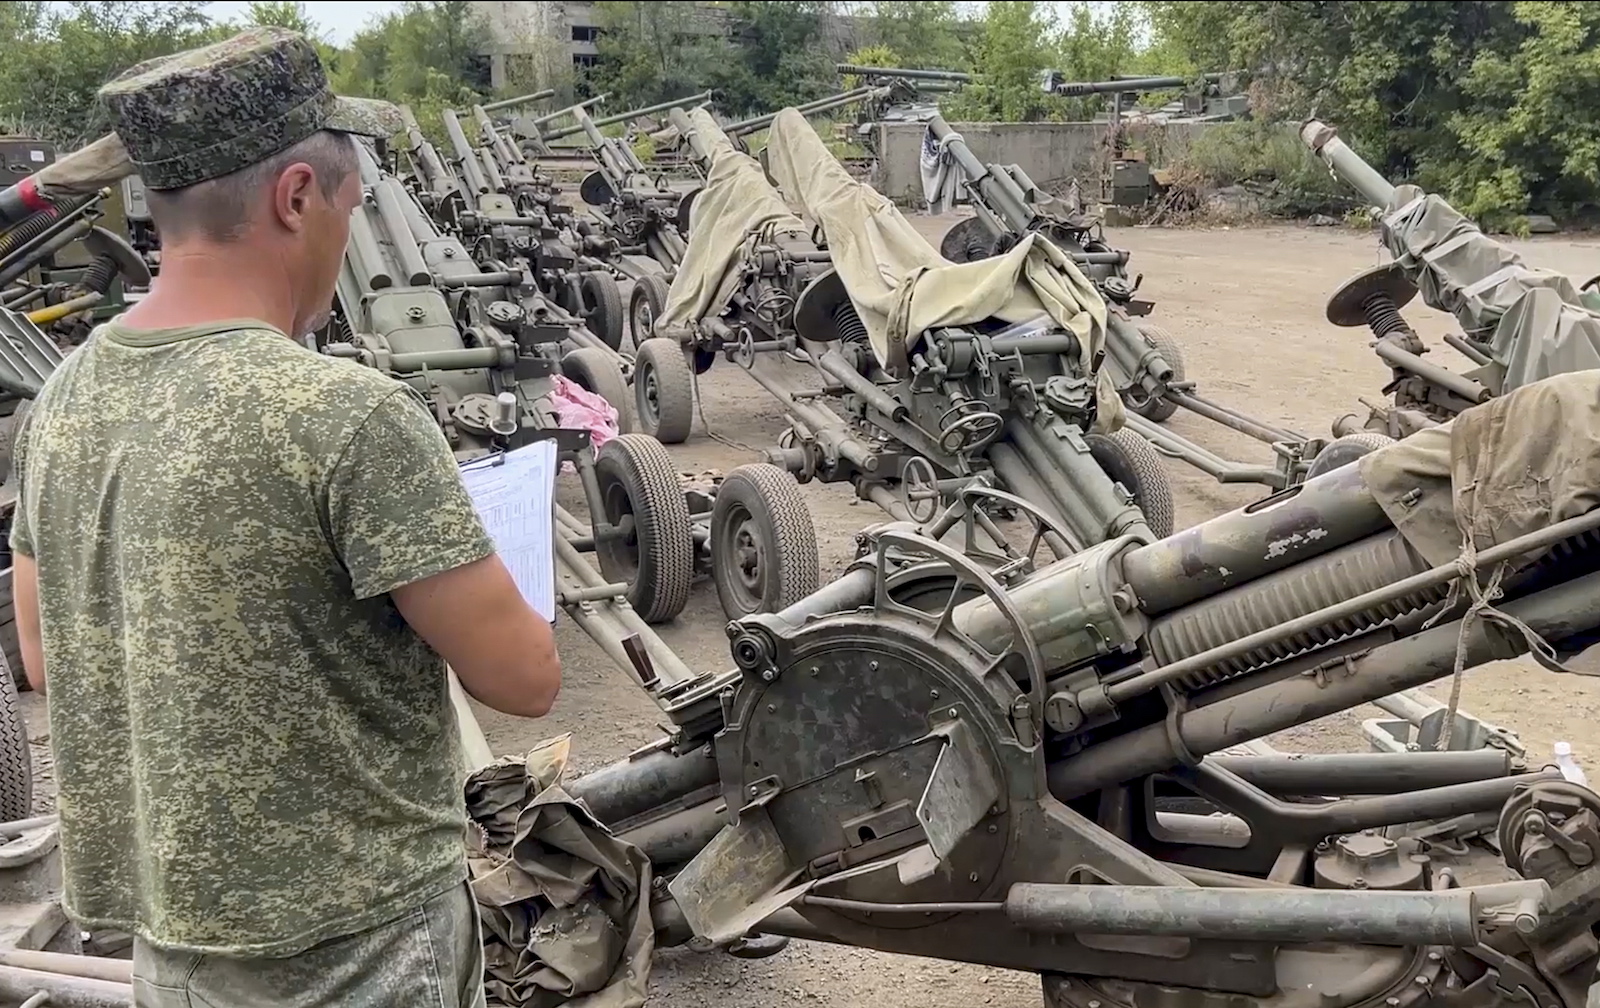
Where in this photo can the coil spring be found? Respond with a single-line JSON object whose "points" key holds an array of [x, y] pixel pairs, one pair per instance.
{"points": [[851, 328], [1273, 600], [1383, 315], [29, 229], [100, 274]]}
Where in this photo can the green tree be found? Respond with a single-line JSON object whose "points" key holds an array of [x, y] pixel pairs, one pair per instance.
{"points": [[781, 56], [922, 33], [1015, 47], [655, 50], [58, 55], [425, 55], [283, 14]]}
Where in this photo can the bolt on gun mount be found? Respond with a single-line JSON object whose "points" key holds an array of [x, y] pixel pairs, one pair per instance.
{"points": [[938, 756], [526, 230], [1519, 323], [1146, 362], [483, 350]]}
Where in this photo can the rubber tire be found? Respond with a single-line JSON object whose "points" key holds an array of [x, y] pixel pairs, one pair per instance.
{"points": [[966, 241], [1130, 460], [672, 417], [16, 759], [1158, 410], [602, 302], [1343, 451], [649, 291], [598, 372], [787, 539], [635, 470]]}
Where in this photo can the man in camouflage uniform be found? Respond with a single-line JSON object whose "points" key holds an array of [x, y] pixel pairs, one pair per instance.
{"points": [[241, 567]]}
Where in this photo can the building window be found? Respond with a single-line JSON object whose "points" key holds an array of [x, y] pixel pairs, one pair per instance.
{"points": [[581, 60], [585, 33]]}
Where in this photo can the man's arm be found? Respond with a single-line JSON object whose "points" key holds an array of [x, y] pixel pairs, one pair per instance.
{"points": [[25, 603], [405, 526]]}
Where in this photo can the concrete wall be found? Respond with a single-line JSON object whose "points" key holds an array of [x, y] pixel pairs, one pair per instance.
{"points": [[1052, 154]]}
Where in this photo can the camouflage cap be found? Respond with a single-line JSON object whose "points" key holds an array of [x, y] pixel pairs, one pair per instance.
{"points": [[210, 111]]}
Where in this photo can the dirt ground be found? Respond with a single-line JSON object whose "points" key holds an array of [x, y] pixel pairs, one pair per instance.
{"points": [[1247, 308]]}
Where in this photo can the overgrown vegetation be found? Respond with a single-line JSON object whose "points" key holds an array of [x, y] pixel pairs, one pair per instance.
{"points": [[1489, 103]]}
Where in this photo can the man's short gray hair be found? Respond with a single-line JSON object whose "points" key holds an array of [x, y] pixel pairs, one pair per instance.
{"points": [[219, 209]]}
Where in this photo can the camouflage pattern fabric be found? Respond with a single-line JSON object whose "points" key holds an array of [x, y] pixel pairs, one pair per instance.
{"points": [[431, 957], [255, 753], [211, 111]]}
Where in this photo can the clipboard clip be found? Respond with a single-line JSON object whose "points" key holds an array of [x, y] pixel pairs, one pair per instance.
{"points": [[496, 457]]}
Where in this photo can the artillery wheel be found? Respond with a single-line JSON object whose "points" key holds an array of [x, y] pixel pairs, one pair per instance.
{"points": [[1128, 458], [967, 241], [1159, 409], [645, 305], [639, 486], [602, 306], [1343, 451], [16, 760], [1345, 306], [763, 542], [598, 372], [663, 390]]}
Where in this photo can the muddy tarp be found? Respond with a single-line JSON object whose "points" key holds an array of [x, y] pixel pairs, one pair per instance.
{"points": [[900, 285], [1533, 320], [1510, 466], [565, 904], [736, 205]]}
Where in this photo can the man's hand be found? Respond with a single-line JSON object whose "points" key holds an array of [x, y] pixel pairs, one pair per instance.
{"points": [[503, 652]]}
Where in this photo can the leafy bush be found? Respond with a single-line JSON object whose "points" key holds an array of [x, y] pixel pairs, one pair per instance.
{"points": [[1270, 160]]}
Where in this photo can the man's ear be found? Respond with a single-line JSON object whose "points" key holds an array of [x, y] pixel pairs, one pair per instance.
{"points": [[294, 194]]}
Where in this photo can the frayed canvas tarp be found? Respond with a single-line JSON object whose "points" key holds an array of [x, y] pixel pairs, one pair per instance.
{"points": [[1510, 466], [902, 288], [1534, 321], [736, 204], [565, 904]]}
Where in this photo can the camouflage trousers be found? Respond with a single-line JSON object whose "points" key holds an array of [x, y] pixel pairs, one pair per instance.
{"points": [[431, 957]]}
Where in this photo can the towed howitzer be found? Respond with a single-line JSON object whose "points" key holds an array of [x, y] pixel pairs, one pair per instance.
{"points": [[507, 215], [527, 129], [584, 122], [638, 211], [1519, 323], [520, 100], [974, 759], [484, 353], [977, 404], [1145, 361]]}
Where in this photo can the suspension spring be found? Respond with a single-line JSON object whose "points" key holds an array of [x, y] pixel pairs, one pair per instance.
{"points": [[851, 328], [100, 274], [29, 229], [1383, 315]]}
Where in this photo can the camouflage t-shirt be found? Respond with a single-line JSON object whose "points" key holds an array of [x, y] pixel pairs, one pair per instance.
{"points": [[254, 752]]}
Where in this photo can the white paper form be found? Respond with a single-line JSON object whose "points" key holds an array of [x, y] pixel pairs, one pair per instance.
{"points": [[515, 496]]}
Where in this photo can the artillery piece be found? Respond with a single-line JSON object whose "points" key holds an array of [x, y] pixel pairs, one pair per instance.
{"points": [[637, 210], [1519, 324], [482, 348], [973, 758], [506, 216], [1145, 361], [988, 392]]}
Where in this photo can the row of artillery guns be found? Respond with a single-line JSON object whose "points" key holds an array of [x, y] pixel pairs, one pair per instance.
{"points": [[962, 751]]}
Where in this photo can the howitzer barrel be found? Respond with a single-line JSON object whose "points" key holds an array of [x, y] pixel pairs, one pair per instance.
{"points": [[390, 200], [1005, 199], [570, 109], [697, 144], [520, 100], [503, 148], [827, 104], [1347, 164], [901, 72], [581, 127], [466, 157], [1071, 89]]}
